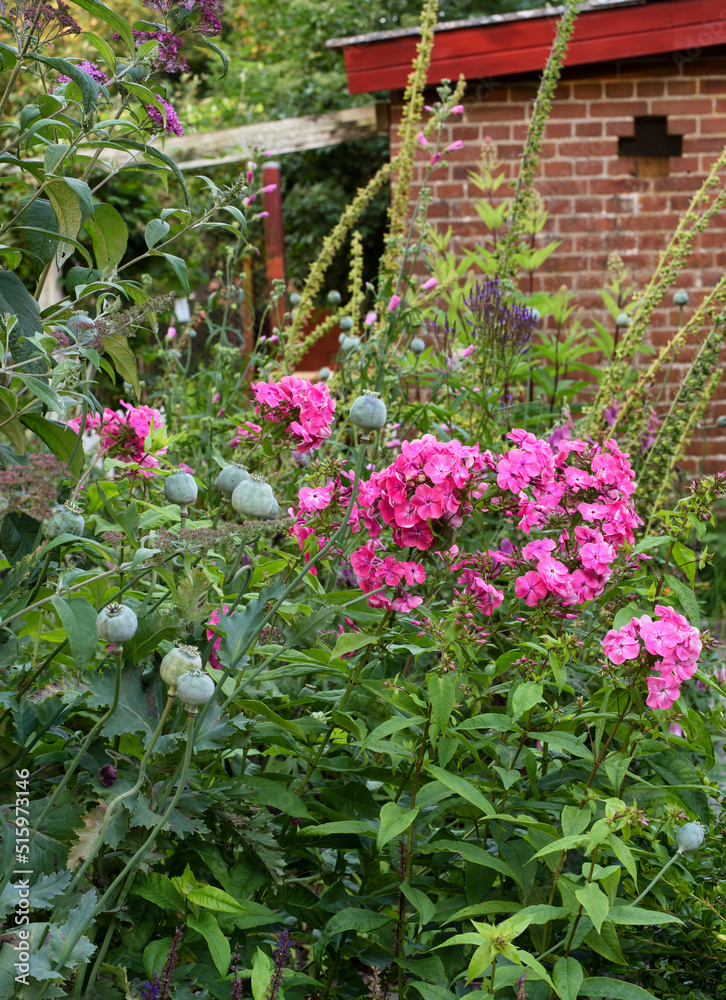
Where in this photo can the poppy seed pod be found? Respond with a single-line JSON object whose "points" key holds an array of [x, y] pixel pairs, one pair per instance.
{"points": [[176, 663], [418, 346], [534, 314], [194, 689], [229, 479], [623, 319], [116, 623], [295, 299], [334, 298], [65, 519], [689, 838], [681, 297], [253, 498], [346, 324], [181, 489], [368, 411], [324, 374], [349, 343]]}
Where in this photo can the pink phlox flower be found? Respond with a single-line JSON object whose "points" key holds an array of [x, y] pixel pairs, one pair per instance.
{"points": [[596, 556], [660, 637], [663, 691], [315, 498], [538, 549], [530, 588], [620, 645]]}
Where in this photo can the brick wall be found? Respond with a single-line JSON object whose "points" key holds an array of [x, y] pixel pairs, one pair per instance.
{"points": [[597, 203]]}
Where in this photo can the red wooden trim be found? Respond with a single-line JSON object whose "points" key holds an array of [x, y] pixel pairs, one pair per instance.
{"points": [[675, 26]]}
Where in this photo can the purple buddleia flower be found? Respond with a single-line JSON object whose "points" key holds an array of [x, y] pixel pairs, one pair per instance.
{"points": [[173, 125], [281, 958]]}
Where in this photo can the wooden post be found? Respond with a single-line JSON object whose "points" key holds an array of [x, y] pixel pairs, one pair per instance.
{"points": [[274, 234]]}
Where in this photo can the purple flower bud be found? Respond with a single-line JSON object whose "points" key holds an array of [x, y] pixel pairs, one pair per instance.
{"points": [[107, 775]]}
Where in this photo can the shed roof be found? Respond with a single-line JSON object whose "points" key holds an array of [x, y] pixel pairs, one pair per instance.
{"points": [[506, 44]]}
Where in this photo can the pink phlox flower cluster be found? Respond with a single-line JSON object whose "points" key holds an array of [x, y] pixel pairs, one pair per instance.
{"points": [[214, 660], [427, 489], [373, 572], [245, 432], [123, 433], [567, 480], [305, 408], [674, 646], [471, 587]]}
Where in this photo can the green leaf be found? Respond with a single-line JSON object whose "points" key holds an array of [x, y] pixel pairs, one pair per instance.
{"points": [[124, 359], [685, 560], [179, 267], [216, 49], [686, 599], [78, 618], [526, 696], [637, 916], [111, 18], [475, 854], [624, 855], [110, 236], [19, 535], [217, 942], [606, 943], [17, 300], [69, 208], [253, 707], [42, 391], [342, 826], [348, 642], [594, 902], [420, 901], [463, 787], [155, 231], [37, 220], [567, 976], [615, 989], [104, 48], [442, 695], [261, 975], [394, 820], [677, 770]]}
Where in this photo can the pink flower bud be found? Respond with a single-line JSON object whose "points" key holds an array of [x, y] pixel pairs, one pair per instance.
{"points": [[458, 144], [421, 139], [458, 109], [435, 159], [171, 333], [262, 215], [269, 187], [370, 319], [216, 397], [431, 283], [250, 176], [394, 303]]}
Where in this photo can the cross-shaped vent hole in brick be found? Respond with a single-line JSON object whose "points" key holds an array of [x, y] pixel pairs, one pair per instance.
{"points": [[651, 146]]}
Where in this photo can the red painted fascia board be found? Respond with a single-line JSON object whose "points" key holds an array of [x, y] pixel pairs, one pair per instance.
{"points": [[686, 27]]}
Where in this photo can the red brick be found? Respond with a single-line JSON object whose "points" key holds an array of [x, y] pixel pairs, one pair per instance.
{"points": [[619, 109], [569, 110], [688, 106], [495, 113], [620, 89], [626, 127], [557, 168], [588, 128], [680, 88], [717, 86], [681, 126], [649, 88], [587, 91], [589, 167]]}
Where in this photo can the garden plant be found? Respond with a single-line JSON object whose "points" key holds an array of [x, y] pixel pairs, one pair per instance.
{"points": [[389, 683]]}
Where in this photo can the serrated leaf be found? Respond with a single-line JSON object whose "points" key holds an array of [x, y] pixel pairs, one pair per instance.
{"points": [[86, 836]]}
